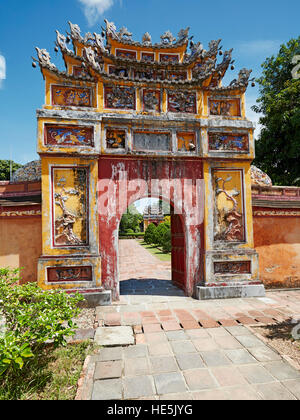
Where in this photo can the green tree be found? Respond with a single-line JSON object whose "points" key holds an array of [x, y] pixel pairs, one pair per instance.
{"points": [[131, 220], [5, 169], [278, 145]]}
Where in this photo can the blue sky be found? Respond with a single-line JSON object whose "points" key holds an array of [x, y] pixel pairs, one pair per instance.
{"points": [[254, 29]]}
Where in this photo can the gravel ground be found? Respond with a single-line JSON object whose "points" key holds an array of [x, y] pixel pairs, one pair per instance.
{"points": [[279, 337], [86, 319]]}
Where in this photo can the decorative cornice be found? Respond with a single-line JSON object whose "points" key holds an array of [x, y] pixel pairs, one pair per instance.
{"points": [[20, 213], [202, 62], [277, 213]]}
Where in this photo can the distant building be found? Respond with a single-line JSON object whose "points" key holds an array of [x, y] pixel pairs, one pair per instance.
{"points": [[153, 214]]}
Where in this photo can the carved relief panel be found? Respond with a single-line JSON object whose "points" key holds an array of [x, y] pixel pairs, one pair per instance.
{"points": [[70, 212], [64, 135], [149, 57], [232, 267], [115, 138], [228, 142], [169, 58], [225, 107], [119, 71], [229, 220], [71, 96], [182, 101], [69, 274], [119, 97], [126, 54], [151, 100]]}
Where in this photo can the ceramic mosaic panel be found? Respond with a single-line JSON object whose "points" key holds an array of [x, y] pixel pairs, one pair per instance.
{"points": [[71, 96], [149, 74], [176, 75], [119, 97], [69, 274], [228, 142], [149, 57], [70, 213], [232, 267], [182, 101], [118, 71], [115, 139], [126, 54], [169, 58], [151, 100], [229, 223], [61, 135], [225, 107]]}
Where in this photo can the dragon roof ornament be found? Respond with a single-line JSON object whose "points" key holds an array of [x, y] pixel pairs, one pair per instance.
{"points": [[125, 34], [45, 59], [91, 58], [146, 40], [75, 31], [242, 80], [167, 38], [99, 42], [183, 35], [111, 29], [61, 41]]}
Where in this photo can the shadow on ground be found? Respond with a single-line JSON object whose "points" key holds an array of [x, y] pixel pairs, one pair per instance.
{"points": [[149, 286], [282, 330]]}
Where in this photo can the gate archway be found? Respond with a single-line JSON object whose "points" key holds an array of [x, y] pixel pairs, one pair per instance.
{"points": [[123, 181]]}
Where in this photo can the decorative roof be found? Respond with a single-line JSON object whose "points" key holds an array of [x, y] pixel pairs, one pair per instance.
{"points": [[29, 172], [153, 210], [260, 178], [93, 51]]}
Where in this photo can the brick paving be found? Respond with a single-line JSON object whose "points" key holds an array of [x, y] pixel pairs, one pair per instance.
{"points": [[188, 349]]}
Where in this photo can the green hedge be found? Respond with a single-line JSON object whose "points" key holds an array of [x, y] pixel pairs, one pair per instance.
{"points": [[131, 235]]}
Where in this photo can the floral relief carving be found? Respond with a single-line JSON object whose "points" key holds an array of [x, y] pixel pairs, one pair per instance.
{"points": [[70, 207], [229, 225]]}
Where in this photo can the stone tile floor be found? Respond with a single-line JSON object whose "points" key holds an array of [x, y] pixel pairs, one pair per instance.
{"points": [[187, 349], [215, 363]]}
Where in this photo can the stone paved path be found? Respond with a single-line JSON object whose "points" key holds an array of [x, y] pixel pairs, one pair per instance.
{"points": [[136, 262], [187, 349]]}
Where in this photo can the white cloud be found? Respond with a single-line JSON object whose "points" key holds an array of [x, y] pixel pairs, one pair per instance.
{"points": [[93, 9], [2, 69]]}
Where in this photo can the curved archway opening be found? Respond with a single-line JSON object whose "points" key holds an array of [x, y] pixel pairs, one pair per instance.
{"points": [[151, 256]]}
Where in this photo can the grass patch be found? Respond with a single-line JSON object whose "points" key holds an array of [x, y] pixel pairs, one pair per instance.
{"points": [[53, 375], [157, 252]]}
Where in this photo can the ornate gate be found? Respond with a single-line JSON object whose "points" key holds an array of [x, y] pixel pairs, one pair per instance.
{"points": [[131, 119]]}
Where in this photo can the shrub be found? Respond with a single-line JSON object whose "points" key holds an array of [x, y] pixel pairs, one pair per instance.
{"points": [[149, 233], [166, 241], [129, 231], [32, 317], [158, 236]]}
